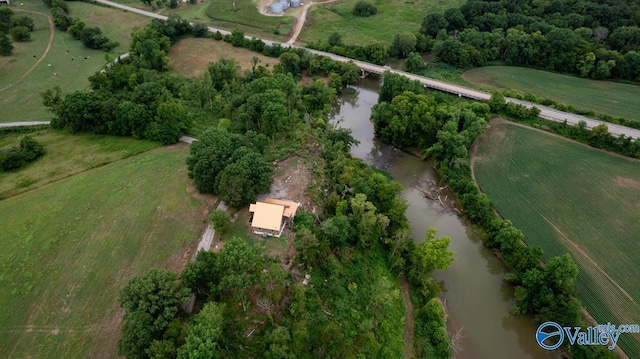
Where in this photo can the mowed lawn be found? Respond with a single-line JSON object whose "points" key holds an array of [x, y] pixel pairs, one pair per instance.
{"points": [[68, 64], [66, 250], [567, 197], [608, 97], [191, 57], [65, 156], [393, 17]]}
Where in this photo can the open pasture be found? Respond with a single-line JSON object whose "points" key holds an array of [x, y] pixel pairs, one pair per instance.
{"points": [[393, 17], [67, 63], [66, 250], [568, 197], [66, 155]]}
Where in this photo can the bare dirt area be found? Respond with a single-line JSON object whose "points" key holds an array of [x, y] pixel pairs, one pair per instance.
{"points": [[290, 181], [191, 57], [410, 326], [626, 182]]}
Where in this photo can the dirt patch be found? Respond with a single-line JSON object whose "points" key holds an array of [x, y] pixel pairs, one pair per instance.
{"points": [[496, 133], [474, 77], [108, 333], [409, 326], [209, 199], [626, 182], [290, 181]]}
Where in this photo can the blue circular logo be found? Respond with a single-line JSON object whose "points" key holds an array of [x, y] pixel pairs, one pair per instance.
{"points": [[549, 330]]}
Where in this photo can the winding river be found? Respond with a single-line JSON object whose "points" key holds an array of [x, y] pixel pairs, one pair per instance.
{"points": [[476, 297]]}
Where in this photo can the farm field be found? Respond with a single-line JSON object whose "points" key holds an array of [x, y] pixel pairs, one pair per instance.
{"points": [[608, 97], [70, 62], [191, 57], [66, 155], [567, 197], [393, 17], [66, 250]]}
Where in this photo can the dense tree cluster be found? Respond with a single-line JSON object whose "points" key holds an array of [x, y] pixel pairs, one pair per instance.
{"points": [[221, 163], [131, 97], [27, 151], [447, 130], [582, 37], [91, 37], [364, 9]]}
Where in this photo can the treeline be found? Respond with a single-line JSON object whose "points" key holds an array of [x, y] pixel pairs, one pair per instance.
{"points": [[593, 39], [450, 129], [27, 151], [91, 37], [133, 96], [19, 27]]}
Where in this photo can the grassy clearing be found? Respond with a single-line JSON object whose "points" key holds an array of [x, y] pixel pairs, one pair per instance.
{"points": [[67, 249], [220, 14], [70, 62], [567, 197], [393, 16], [116, 24], [191, 57], [612, 98], [66, 155]]}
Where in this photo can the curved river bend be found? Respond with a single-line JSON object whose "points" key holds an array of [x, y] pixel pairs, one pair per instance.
{"points": [[476, 297]]}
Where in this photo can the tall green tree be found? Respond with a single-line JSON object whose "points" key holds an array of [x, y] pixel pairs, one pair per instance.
{"points": [[243, 180], [210, 155], [202, 342], [6, 47]]}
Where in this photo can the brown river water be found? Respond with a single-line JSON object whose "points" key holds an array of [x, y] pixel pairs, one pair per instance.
{"points": [[476, 297]]}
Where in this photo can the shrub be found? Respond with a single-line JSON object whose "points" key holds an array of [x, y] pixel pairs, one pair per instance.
{"points": [[20, 33], [220, 220], [27, 151], [364, 9]]}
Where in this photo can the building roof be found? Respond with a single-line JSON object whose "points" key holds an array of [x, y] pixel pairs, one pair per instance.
{"points": [[267, 215], [290, 207]]}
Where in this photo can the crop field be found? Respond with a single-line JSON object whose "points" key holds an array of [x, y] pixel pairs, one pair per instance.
{"points": [[67, 64], [66, 155], [567, 197], [191, 57], [608, 97], [393, 17], [66, 249]]}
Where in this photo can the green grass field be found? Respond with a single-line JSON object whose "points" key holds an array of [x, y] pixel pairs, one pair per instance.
{"points": [[220, 14], [66, 155], [66, 249], [116, 24], [567, 197], [393, 17], [68, 64], [608, 97]]}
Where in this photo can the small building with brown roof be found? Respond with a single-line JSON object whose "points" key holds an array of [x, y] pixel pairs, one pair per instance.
{"points": [[271, 216]]}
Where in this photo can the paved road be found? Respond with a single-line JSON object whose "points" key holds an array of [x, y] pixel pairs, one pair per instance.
{"points": [[19, 124]]}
